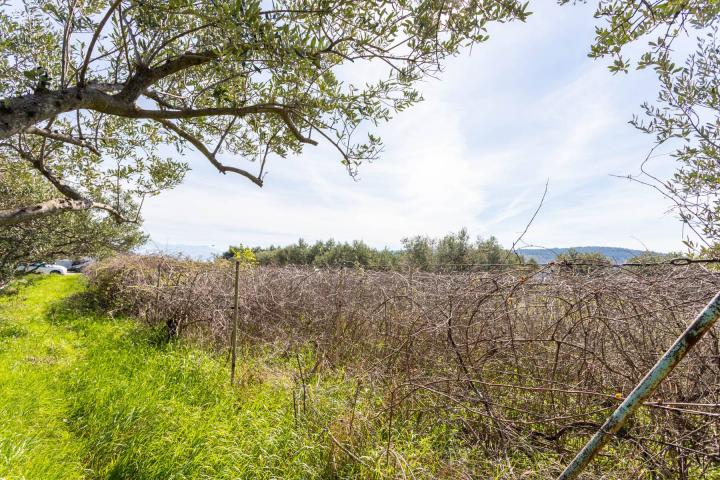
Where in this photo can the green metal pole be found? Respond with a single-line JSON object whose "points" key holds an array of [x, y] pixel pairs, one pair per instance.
{"points": [[235, 322], [694, 332]]}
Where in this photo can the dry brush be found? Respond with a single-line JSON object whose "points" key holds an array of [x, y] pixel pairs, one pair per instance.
{"points": [[519, 361]]}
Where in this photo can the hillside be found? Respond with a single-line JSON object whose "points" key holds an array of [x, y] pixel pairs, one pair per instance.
{"points": [[544, 255]]}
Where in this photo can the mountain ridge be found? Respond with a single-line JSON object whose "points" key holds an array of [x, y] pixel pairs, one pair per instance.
{"points": [[616, 254]]}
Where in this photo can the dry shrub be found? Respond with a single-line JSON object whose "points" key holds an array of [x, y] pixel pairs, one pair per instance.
{"points": [[516, 360]]}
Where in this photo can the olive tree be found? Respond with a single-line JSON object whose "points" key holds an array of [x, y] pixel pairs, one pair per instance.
{"points": [[67, 234], [91, 89], [685, 118]]}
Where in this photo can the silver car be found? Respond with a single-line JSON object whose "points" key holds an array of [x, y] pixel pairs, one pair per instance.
{"points": [[42, 267]]}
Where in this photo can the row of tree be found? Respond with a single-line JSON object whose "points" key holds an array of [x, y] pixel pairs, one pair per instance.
{"points": [[452, 252], [455, 251]]}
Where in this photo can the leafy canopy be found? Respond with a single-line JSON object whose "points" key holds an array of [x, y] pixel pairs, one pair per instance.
{"points": [[73, 235], [236, 80]]}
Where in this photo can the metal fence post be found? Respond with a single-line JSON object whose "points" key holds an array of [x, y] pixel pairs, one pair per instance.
{"points": [[233, 338], [702, 323]]}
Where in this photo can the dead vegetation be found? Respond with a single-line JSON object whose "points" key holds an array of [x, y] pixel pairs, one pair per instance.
{"points": [[518, 362]]}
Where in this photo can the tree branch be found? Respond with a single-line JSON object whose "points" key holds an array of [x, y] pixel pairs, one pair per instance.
{"points": [[74, 200], [146, 76], [96, 35], [43, 132], [208, 154], [19, 113], [55, 206], [276, 109], [116, 106], [58, 183]]}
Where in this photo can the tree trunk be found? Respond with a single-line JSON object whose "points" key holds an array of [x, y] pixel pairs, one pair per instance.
{"points": [[44, 209], [19, 113]]}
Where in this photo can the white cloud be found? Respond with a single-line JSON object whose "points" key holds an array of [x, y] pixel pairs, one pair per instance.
{"points": [[527, 106]]}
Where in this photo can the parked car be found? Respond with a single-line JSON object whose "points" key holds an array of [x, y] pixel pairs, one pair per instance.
{"points": [[79, 265], [42, 267], [75, 266]]}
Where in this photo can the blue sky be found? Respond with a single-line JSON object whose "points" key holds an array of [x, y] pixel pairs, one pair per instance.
{"points": [[526, 107]]}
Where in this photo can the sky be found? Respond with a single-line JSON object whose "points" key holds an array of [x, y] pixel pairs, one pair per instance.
{"points": [[525, 108]]}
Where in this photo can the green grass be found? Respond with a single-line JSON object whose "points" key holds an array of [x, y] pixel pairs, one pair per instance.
{"points": [[90, 397], [35, 438], [87, 396]]}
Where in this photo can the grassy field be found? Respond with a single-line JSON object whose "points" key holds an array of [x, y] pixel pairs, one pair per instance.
{"points": [[87, 396]]}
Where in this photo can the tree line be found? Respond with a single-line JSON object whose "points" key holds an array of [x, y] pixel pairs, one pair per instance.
{"points": [[452, 252]]}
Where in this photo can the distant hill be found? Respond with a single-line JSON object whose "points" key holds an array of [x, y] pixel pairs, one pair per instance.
{"points": [[545, 255], [197, 252]]}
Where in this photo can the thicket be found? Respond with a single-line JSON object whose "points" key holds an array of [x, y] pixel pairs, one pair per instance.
{"points": [[519, 363]]}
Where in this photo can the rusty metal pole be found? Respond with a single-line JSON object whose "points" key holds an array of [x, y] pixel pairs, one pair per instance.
{"points": [[702, 323], [233, 338]]}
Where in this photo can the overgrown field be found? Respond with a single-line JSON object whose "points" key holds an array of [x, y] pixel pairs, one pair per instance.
{"points": [[89, 396], [347, 374], [485, 375]]}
